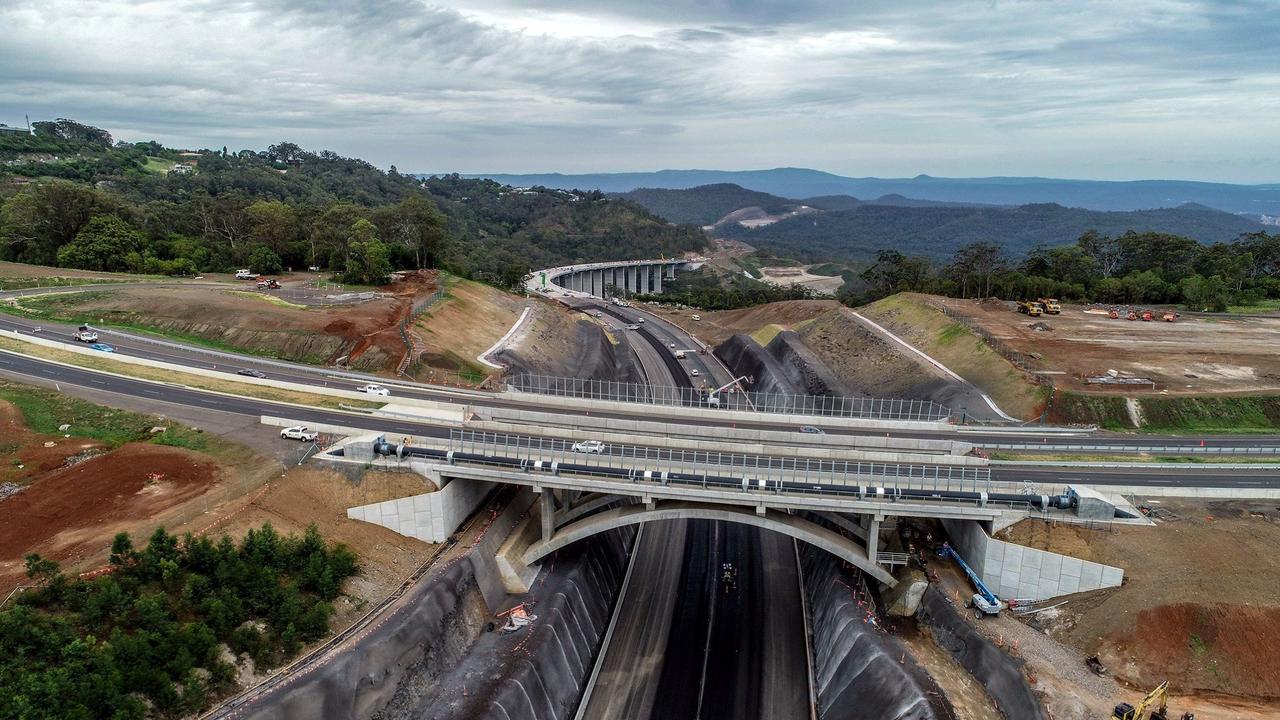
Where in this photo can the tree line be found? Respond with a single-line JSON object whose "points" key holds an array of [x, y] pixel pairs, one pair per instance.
{"points": [[150, 638], [1130, 268], [76, 199]]}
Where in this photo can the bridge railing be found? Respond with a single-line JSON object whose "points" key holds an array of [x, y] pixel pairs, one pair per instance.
{"points": [[732, 399], [958, 478]]}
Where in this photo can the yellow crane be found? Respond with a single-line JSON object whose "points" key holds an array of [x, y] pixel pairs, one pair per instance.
{"points": [[1156, 701]]}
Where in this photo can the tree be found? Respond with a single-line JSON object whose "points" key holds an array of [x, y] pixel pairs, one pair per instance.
{"points": [[367, 262], [273, 224], [894, 272], [263, 259], [65, 129], [415, 224], [39, 221], [103, 244], [330, 232], [1208, 294], [976, 265]]}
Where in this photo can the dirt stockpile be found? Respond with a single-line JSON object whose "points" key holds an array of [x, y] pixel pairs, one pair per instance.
{"points": [[1195, 354], [716, 327]]}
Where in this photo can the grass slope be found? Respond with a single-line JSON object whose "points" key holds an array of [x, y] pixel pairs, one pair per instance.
{"points": [[910, 317]]}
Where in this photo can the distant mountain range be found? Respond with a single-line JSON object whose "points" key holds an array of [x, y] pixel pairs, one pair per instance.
{"points": [[1254, 200], [842, 227]]}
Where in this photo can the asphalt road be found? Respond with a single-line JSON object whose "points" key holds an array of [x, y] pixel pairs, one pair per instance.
{"points": [[21, 366], [202, 358]]}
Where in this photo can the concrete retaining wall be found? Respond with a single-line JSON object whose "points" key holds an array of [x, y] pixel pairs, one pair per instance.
{"points": [[1016, 571], [430, 517]]}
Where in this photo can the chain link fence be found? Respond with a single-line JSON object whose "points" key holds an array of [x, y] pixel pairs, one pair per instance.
{"points": [[1019, 360], [731, 399]]}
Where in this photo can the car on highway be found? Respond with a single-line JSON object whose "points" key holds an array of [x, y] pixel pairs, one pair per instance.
{"points": [[633, 327], [639, 320], [595, 447], [671, 345], [694, 372], [372, 389], [85, 334], [299, 432], [249, 372], [812, 430], [102, 347]]}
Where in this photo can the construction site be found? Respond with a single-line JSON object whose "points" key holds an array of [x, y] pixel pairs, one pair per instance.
{"points": [[941, 644]]}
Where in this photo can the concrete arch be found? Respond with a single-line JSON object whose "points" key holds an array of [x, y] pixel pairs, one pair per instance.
{"points": [[791, 525], [590, 504]]}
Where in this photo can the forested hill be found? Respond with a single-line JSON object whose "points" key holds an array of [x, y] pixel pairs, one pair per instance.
{"points": [[70, 195], [706, 204], [860, 232]]}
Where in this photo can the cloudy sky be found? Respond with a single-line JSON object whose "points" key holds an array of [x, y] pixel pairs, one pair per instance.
{"points": [[1116, 89]]}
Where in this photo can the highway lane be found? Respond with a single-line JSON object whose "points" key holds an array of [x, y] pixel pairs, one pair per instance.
{"points": [[22, 366], [328, 377], [626, 686]]}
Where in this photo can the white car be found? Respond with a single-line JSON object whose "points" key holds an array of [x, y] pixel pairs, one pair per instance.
{"points": [[694, 372], [299, 432], [639, 320], [695, 317], [373, 390], [594, 447]]}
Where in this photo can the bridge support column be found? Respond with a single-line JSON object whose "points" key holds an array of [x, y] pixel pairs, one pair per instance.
{"points": [[644, 271], [657, 281], [547, 510], [630, 273], [873, 537]]}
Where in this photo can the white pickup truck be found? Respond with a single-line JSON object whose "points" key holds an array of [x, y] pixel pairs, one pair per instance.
{"points": [[372, 389], [85, 334], [246, 275], [299, 432]]}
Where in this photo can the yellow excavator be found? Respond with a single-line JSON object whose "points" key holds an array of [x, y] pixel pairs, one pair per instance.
{"points": [[1156, 701]]}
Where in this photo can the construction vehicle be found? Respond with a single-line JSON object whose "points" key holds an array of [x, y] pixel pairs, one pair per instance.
{"points": [[713, 396], [1030, 307], [1133, 314], [1115, 313], [1156, 701], [1050, 305], [1170, 316], [1148, 316], [983, 602]]}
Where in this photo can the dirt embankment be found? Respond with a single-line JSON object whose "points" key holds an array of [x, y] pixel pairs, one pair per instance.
{"points": [[365, 334], [560, 342], [1198, 608], [916, 320]]}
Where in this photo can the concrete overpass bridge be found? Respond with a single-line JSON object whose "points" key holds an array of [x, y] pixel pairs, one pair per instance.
{"points": [[836, 507], [628, 277]]}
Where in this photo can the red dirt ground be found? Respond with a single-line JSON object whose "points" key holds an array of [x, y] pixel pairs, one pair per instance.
{"points": [[136, 481], [1220, 648]]}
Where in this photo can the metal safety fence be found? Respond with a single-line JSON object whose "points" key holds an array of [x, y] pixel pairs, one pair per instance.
{"points": [[733, 398], [788, 472]]}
